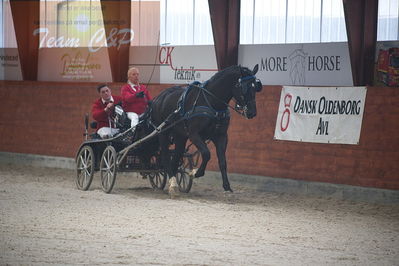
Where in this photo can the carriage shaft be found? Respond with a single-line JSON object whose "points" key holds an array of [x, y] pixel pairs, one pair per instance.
{"points": [[122, 154]]}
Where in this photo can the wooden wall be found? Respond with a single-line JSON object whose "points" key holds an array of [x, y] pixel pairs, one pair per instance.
{"points": [[46, 118]]}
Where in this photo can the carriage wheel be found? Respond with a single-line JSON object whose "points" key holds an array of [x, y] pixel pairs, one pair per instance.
{"points": [[183, 178], [158, 180], [84, 168], [108, 169]]}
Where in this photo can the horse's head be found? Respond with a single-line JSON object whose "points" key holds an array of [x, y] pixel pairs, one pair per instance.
{"points": [[245, 90]]}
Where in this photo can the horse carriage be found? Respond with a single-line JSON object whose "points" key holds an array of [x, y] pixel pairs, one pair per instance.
{"points": [[157, 147], [128, 152]]}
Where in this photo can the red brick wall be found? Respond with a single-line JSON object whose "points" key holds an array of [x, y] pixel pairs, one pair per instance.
{"points": [[47, 118]]}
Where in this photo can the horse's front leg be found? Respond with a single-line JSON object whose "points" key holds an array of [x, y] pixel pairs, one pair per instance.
{"points": [[221, 145], [180, 146], [205, 154], [165, 156]]}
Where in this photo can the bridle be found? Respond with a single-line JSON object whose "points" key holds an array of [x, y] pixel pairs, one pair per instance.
{"points": [[243, 85]]}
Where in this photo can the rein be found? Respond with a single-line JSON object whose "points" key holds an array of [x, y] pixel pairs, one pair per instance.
{"points": [[155, 60], [171, 120]]}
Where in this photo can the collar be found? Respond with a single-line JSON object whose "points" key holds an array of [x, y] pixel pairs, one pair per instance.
{"points": [[110, 100], [132, 84]]}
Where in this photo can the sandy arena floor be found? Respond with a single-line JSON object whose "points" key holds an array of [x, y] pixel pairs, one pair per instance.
{"points": [[45, 220]]}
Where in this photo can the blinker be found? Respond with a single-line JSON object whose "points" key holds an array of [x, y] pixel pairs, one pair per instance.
{"points": [[258, 85]]}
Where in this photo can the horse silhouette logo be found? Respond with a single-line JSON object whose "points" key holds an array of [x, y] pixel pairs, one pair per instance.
{"points": [[298, 64]]}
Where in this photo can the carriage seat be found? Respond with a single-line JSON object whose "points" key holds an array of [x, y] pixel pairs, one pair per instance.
{"points": [[93, 125]]}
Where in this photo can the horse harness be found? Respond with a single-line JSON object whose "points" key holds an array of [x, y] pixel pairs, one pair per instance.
{"points": [[200, 110], [222, 117], [209, 111]]}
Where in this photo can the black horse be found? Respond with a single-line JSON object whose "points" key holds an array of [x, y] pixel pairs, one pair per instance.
{"points": [[200, 112]]}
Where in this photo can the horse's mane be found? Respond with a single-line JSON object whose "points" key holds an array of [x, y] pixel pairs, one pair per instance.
{"points": [[167, 92], [170, 90]]}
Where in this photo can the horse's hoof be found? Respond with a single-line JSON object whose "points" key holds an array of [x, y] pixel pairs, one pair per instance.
{"points": [[199, 174], [173, 188], [193, 172], [228, 194]]}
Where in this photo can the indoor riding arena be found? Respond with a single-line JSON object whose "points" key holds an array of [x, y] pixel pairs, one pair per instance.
{"points": [[296, 111]]}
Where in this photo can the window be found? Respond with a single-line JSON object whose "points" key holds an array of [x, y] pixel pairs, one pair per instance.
{"points": [[388, 20], [71, 23], [145, 22], [303, 21], [292, 21], [185, 22], [7, 31], [269, 21], [202, 26], [1, 25], [333, 22]]}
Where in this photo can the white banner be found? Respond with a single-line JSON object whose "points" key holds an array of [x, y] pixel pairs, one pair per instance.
{"points": [[321, 114], [74, 64], [306, 64], [313, 64], [174, 64], [10, 67]]}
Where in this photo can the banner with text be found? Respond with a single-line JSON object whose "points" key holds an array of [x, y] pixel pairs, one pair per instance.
{"points": [[74, 64], [321, 114], [387, 64], [306, 64], [77, 37], [174, 64], [10, 67]]}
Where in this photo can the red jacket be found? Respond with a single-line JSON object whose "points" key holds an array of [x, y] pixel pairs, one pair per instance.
{"points": [[98, 113], [131, 103]]}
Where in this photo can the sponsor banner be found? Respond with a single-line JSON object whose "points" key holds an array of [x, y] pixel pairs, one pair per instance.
{"points": [[10, 67], [81, 24], [321, 114], [174, 64], [74, 38], [74, 64], [313, 64], [387, 64]]}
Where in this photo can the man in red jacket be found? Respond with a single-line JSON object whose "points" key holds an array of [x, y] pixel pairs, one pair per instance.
{"points": [[103, 111], [135, 96]]}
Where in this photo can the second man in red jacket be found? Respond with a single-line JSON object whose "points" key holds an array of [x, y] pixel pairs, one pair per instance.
{"points": [[135, 96]]}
